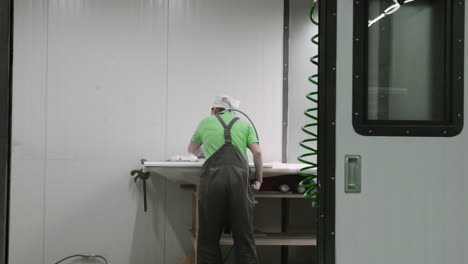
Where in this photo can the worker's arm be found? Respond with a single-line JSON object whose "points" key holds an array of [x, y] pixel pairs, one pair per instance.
{"points": [[258, 162], [195, 148]]}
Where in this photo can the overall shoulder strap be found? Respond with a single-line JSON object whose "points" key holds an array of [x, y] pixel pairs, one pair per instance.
{"points": [[227, 128], [221, 120]]}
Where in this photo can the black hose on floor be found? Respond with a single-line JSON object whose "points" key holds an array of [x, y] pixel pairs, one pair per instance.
{"points": [[84, 256]]}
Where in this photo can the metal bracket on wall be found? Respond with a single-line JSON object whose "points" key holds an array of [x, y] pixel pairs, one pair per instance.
{"points": [[143, 176]]}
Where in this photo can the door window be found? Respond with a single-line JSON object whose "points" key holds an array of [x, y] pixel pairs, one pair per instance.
{"points": [[408, 67]]}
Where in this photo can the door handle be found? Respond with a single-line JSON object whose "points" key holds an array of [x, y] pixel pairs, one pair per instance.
{"points": [[352, 173]]}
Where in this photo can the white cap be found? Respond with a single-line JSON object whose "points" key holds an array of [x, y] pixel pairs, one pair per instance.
{"points": [[226, 102]]}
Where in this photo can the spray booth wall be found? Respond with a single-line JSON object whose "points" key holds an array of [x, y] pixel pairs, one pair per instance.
{"points": [[97, 86]]}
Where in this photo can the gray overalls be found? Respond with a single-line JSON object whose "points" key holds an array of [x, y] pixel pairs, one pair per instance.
{"points": [[224, 188]]}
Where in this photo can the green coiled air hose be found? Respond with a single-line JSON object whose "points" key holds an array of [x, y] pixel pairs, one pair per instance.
{"points": [[310, 181]]}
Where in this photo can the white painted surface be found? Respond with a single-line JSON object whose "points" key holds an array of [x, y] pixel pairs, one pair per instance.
{"points": [[412, 208], [106, 75], [28, 138], [225, 47], [26, 235], [92, 97], [81, 70], [301, 49], [106, 94], [92, 207]]}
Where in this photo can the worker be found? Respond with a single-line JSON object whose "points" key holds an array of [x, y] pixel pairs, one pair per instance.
{"points": [[226, 192]]}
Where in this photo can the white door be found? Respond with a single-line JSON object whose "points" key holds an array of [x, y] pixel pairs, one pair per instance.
{"points": [[413, 204]]}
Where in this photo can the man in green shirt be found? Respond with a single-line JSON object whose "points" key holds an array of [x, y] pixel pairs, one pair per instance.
{"points": [[225, 189]]}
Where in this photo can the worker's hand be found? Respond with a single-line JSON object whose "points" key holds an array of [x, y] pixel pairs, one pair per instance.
{"points": [[256, 186]]}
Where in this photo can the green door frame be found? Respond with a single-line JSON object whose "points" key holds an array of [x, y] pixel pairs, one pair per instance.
{"points": [[326, 131], [6, 23]]}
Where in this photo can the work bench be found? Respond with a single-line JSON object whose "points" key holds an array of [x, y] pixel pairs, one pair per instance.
{"points": [[187, 174]]}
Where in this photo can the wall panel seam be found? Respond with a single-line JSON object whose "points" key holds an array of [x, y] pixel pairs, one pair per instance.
{"points": [[167, 120], [45, 122]]}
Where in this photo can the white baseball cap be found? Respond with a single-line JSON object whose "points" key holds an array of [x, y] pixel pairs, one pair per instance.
{"points": [[226, 102]]}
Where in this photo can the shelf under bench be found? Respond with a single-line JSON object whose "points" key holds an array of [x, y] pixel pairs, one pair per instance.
{"points": [[270, 194], [277, 239]]}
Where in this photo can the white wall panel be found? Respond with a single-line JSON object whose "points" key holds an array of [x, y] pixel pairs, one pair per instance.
{"points": [[106, 110], [28, 132], [301, 49], [107, 79], [225, 47], [26, 234], [90, 100], [92, 207], [29, 79]]}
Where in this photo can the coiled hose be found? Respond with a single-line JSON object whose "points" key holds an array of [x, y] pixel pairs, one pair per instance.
{"points": [[310, 129]]}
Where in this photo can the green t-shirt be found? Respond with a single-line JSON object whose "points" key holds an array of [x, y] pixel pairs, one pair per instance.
{"points": [[210, 133]]}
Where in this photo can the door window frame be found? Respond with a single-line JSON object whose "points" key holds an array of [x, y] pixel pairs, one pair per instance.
{"points": [[452, 124]]}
